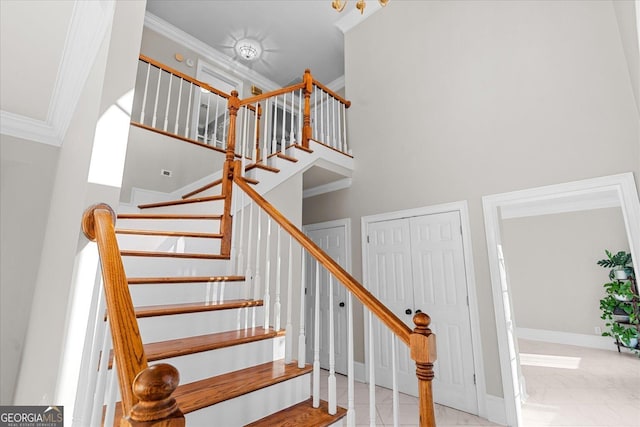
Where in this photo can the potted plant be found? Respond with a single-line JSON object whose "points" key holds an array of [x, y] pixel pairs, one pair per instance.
{"points": [[620, 265]]}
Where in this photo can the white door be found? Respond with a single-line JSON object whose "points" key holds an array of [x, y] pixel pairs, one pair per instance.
{"points": [[417, 263], [332, 240]]}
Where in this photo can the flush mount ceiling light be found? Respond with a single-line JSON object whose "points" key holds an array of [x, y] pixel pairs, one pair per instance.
{"points": [[248, 49], [339, 5]]}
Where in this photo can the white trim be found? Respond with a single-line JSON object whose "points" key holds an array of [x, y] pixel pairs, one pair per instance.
{"points": [[605, 199], [622, 185], [495, 409], [87, 28], [474, 317], [568, 338], [327, 188], [353, 18], [212, 55]]}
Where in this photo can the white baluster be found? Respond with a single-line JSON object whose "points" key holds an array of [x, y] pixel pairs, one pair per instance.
{"points": [[248, 274], [316, 340], [155, 105], [205, 137], [288, 340], [245, 130], [186, 126], [372, 374], [292, 134], [333, 120], [283, 139], [255, 142], [394, 380], [300, 118], [322, 135], [166, 111], [267, 275], [277, 306], [224, 128], [144, 94], [175, 128], [345, 149], [112, 392], [316, 125], [265, 134], [240, 217], [197, 113], [215, 125], [351, 400], [274, 140], [331, 382], [301, 335], [257, 279], [103, 374]]}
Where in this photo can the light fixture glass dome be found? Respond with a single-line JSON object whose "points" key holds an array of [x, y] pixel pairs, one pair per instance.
{"points": [[248, 49]]}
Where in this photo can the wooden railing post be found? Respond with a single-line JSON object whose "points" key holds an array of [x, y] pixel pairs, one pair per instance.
{"points": [[227, 175], [307, 79], [423, 352], [133, 373]]}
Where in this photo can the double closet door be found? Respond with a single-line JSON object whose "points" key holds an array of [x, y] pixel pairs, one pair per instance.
{"points": [[417, 264]]}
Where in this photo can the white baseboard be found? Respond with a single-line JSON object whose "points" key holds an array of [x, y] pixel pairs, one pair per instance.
{"points": [[496, 412], [557, 337]]}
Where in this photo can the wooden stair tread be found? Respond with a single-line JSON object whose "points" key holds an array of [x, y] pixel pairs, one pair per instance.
{"points": [[182, 279], [203, 188], [261, 166], [193, 307], [251, 180], [302, 414], [201, 394], [181, 202], [172, 255], [284, 157], [168, 233], [196, 344], [300, 147], [167, 216]]}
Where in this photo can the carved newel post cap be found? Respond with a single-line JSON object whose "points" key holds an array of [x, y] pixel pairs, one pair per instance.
{"points": [[422, 320], [153, 387]]}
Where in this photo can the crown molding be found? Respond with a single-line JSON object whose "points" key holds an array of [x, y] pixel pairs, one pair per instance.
{"points": [[214, 56], [327, 188], [87, 28], [337, 84], [353, 18]]}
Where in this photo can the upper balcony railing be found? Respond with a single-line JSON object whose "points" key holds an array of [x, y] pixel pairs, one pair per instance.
{"points": [[172, 103]]}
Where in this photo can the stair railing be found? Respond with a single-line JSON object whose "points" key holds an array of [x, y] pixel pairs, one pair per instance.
{"points": [[145, 390], [261, 215]]}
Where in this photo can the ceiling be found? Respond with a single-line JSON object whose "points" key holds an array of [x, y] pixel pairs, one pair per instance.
{"points": [[294, 35]]}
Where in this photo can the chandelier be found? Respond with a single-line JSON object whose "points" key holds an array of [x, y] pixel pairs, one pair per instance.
{"points": [[339, 5]]}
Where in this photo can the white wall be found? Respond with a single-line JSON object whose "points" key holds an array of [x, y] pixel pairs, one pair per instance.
{"points": [[48, 372], [456, 100], [555, 282]]}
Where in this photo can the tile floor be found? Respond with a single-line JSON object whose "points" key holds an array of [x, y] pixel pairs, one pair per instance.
{"points": [[566, 386]]}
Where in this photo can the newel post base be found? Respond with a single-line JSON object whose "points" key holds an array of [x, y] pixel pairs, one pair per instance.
{"points": [[423, 352], [156, 407]]}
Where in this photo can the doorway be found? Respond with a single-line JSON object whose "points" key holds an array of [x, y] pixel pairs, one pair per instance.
{"points": [[420, 260], [610, 191], [334, 237]]}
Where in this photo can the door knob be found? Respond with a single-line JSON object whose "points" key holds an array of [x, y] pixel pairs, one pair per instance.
{"points": [[408, 311], [341, 304], [418, 311]]}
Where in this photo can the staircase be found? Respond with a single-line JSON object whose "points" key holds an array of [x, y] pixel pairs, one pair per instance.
{"points": [[203, 283], [196, 317]]}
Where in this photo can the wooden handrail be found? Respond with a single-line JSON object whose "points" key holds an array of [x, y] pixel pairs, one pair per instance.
{"points": [[183, 76], [396, 325], [258, 98], [98, 225], [332, 93]]}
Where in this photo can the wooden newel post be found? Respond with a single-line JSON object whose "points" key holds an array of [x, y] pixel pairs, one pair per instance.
{"points": [[307, 79], [423, 352], [233, 105], [155, 408]]}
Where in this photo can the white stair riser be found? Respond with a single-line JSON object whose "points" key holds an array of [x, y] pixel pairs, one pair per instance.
{"points": [[213, 207], [177, 293], [160, 328], [194, 225], [197, 366], [136, 266], [174, 244], [253, 406]]}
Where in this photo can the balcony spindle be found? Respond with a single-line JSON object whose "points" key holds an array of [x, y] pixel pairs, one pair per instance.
{"points": [[175, 127], [268, 105], [144, 94], [186, 125], [155, 105], [274, 136], [292, 134], [168, 104], [283, 138]]}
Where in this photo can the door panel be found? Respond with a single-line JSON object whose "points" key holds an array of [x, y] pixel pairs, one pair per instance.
{"points": [[414, 264]]}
